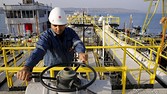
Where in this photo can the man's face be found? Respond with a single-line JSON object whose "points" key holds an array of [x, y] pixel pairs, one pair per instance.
{"points": [[58, 29]]}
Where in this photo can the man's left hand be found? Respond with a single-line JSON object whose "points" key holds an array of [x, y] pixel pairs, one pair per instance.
{"points": [[83, 57]]}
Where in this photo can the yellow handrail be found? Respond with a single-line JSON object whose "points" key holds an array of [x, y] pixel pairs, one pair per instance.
{"points": [[122, 68]]}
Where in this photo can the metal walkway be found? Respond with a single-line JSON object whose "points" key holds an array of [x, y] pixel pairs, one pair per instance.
{"points": [[110, 39]]}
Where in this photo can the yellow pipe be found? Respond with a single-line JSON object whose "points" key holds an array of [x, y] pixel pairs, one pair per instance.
{"points": [[17, 48], [81, 69], [124, 80], [152, 81], [10, 81], [124, 58], [14, 57], [107, 47], [139, 74], [7, 74], [51, 72], [135, 49], [87, 73]]}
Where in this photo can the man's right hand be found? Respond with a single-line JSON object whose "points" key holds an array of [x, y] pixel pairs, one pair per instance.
{"points": [[24, 74]]}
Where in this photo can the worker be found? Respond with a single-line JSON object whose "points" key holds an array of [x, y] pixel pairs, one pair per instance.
{"points": [[56, 45]]}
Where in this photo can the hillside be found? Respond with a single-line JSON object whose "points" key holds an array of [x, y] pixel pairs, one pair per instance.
{"points": [[100, 10]]}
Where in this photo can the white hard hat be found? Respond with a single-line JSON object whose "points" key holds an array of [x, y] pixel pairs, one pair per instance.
{"points": [[57, 16]]}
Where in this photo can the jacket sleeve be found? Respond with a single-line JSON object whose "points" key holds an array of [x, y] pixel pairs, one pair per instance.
{"points": [[39, 52], [78, 45]]}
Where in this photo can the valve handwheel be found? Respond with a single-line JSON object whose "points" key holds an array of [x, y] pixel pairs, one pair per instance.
{"points": [[82, 87]]}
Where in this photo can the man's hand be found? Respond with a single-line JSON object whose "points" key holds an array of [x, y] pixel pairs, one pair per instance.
{"points": [[24, 74], [83, 57]]}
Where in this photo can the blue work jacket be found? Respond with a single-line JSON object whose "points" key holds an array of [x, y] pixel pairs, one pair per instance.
{"points": [[56, 49]]}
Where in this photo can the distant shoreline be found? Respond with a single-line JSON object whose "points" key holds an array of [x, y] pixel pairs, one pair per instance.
{"points": [[104, 10]]}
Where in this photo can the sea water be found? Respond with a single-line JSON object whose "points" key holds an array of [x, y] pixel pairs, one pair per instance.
{"points": [[138, 20]]}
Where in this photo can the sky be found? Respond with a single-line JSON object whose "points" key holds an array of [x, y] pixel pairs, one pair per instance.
{"points": [[126, 4]]}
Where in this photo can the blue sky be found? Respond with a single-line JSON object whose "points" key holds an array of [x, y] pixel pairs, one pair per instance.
{"points": [[127, 4]]}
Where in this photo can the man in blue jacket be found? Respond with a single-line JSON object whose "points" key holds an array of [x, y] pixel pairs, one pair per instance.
{"points": [[56, 45]]}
